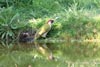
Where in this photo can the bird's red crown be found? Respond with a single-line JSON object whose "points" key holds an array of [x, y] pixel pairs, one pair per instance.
{"points": [[51, 20]]}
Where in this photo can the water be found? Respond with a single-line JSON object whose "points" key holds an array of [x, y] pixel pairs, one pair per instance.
{"points": [[60, 54]]}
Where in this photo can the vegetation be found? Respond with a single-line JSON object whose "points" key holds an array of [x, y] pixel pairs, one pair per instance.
{"points": [[77, 19]]}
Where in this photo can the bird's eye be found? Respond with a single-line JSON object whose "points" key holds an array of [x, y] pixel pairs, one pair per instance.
{"points": [[52, 21]]}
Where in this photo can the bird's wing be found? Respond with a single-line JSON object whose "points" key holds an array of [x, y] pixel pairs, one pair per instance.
{"points": [[45, 28]]}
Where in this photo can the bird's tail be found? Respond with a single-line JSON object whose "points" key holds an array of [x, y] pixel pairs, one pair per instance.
{"points": [[36, 36]]}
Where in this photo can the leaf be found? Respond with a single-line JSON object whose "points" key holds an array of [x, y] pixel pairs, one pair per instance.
{"points": [[14, 27], [10, 33], [3, 35], [2, 19], [14, 17], [2, 43]]}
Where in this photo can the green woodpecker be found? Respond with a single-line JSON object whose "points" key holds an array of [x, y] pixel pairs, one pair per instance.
{"points": [[42, 32]]}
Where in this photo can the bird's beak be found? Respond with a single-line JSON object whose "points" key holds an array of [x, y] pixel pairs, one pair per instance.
{"points": [[56, 18]]}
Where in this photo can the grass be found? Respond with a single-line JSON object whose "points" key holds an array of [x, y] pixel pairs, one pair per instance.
{"points": [[77, 19]]}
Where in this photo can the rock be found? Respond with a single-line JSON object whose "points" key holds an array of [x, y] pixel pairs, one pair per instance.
{"points": [[27, 36]]}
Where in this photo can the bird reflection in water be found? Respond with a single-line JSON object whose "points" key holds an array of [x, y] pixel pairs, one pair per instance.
{"points": [[44, 50]]}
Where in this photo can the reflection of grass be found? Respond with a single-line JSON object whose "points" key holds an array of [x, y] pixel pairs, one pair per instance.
{"points": [[64, 53], [79, 52], [23, 59], [16, 58]]}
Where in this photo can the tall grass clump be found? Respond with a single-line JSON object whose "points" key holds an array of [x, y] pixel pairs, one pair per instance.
{"points": [[10, 23], [76, 23]]}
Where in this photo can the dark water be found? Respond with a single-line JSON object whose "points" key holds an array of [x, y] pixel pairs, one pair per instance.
{"points": [[60, 54]]}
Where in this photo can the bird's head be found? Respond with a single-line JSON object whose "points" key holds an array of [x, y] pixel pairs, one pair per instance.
{"points": [[50, 21]]}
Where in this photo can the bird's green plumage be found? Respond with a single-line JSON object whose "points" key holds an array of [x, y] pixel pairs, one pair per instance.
{"points": [[44, 29]]}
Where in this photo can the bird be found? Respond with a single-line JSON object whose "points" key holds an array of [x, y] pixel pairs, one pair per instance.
{"points": [[43, 30]]}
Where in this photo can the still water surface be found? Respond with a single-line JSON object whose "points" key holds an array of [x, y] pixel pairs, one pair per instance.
{"points": [[60, 54]]}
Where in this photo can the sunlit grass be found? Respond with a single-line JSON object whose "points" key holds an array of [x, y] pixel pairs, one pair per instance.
{"points": [[77, 19]]}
